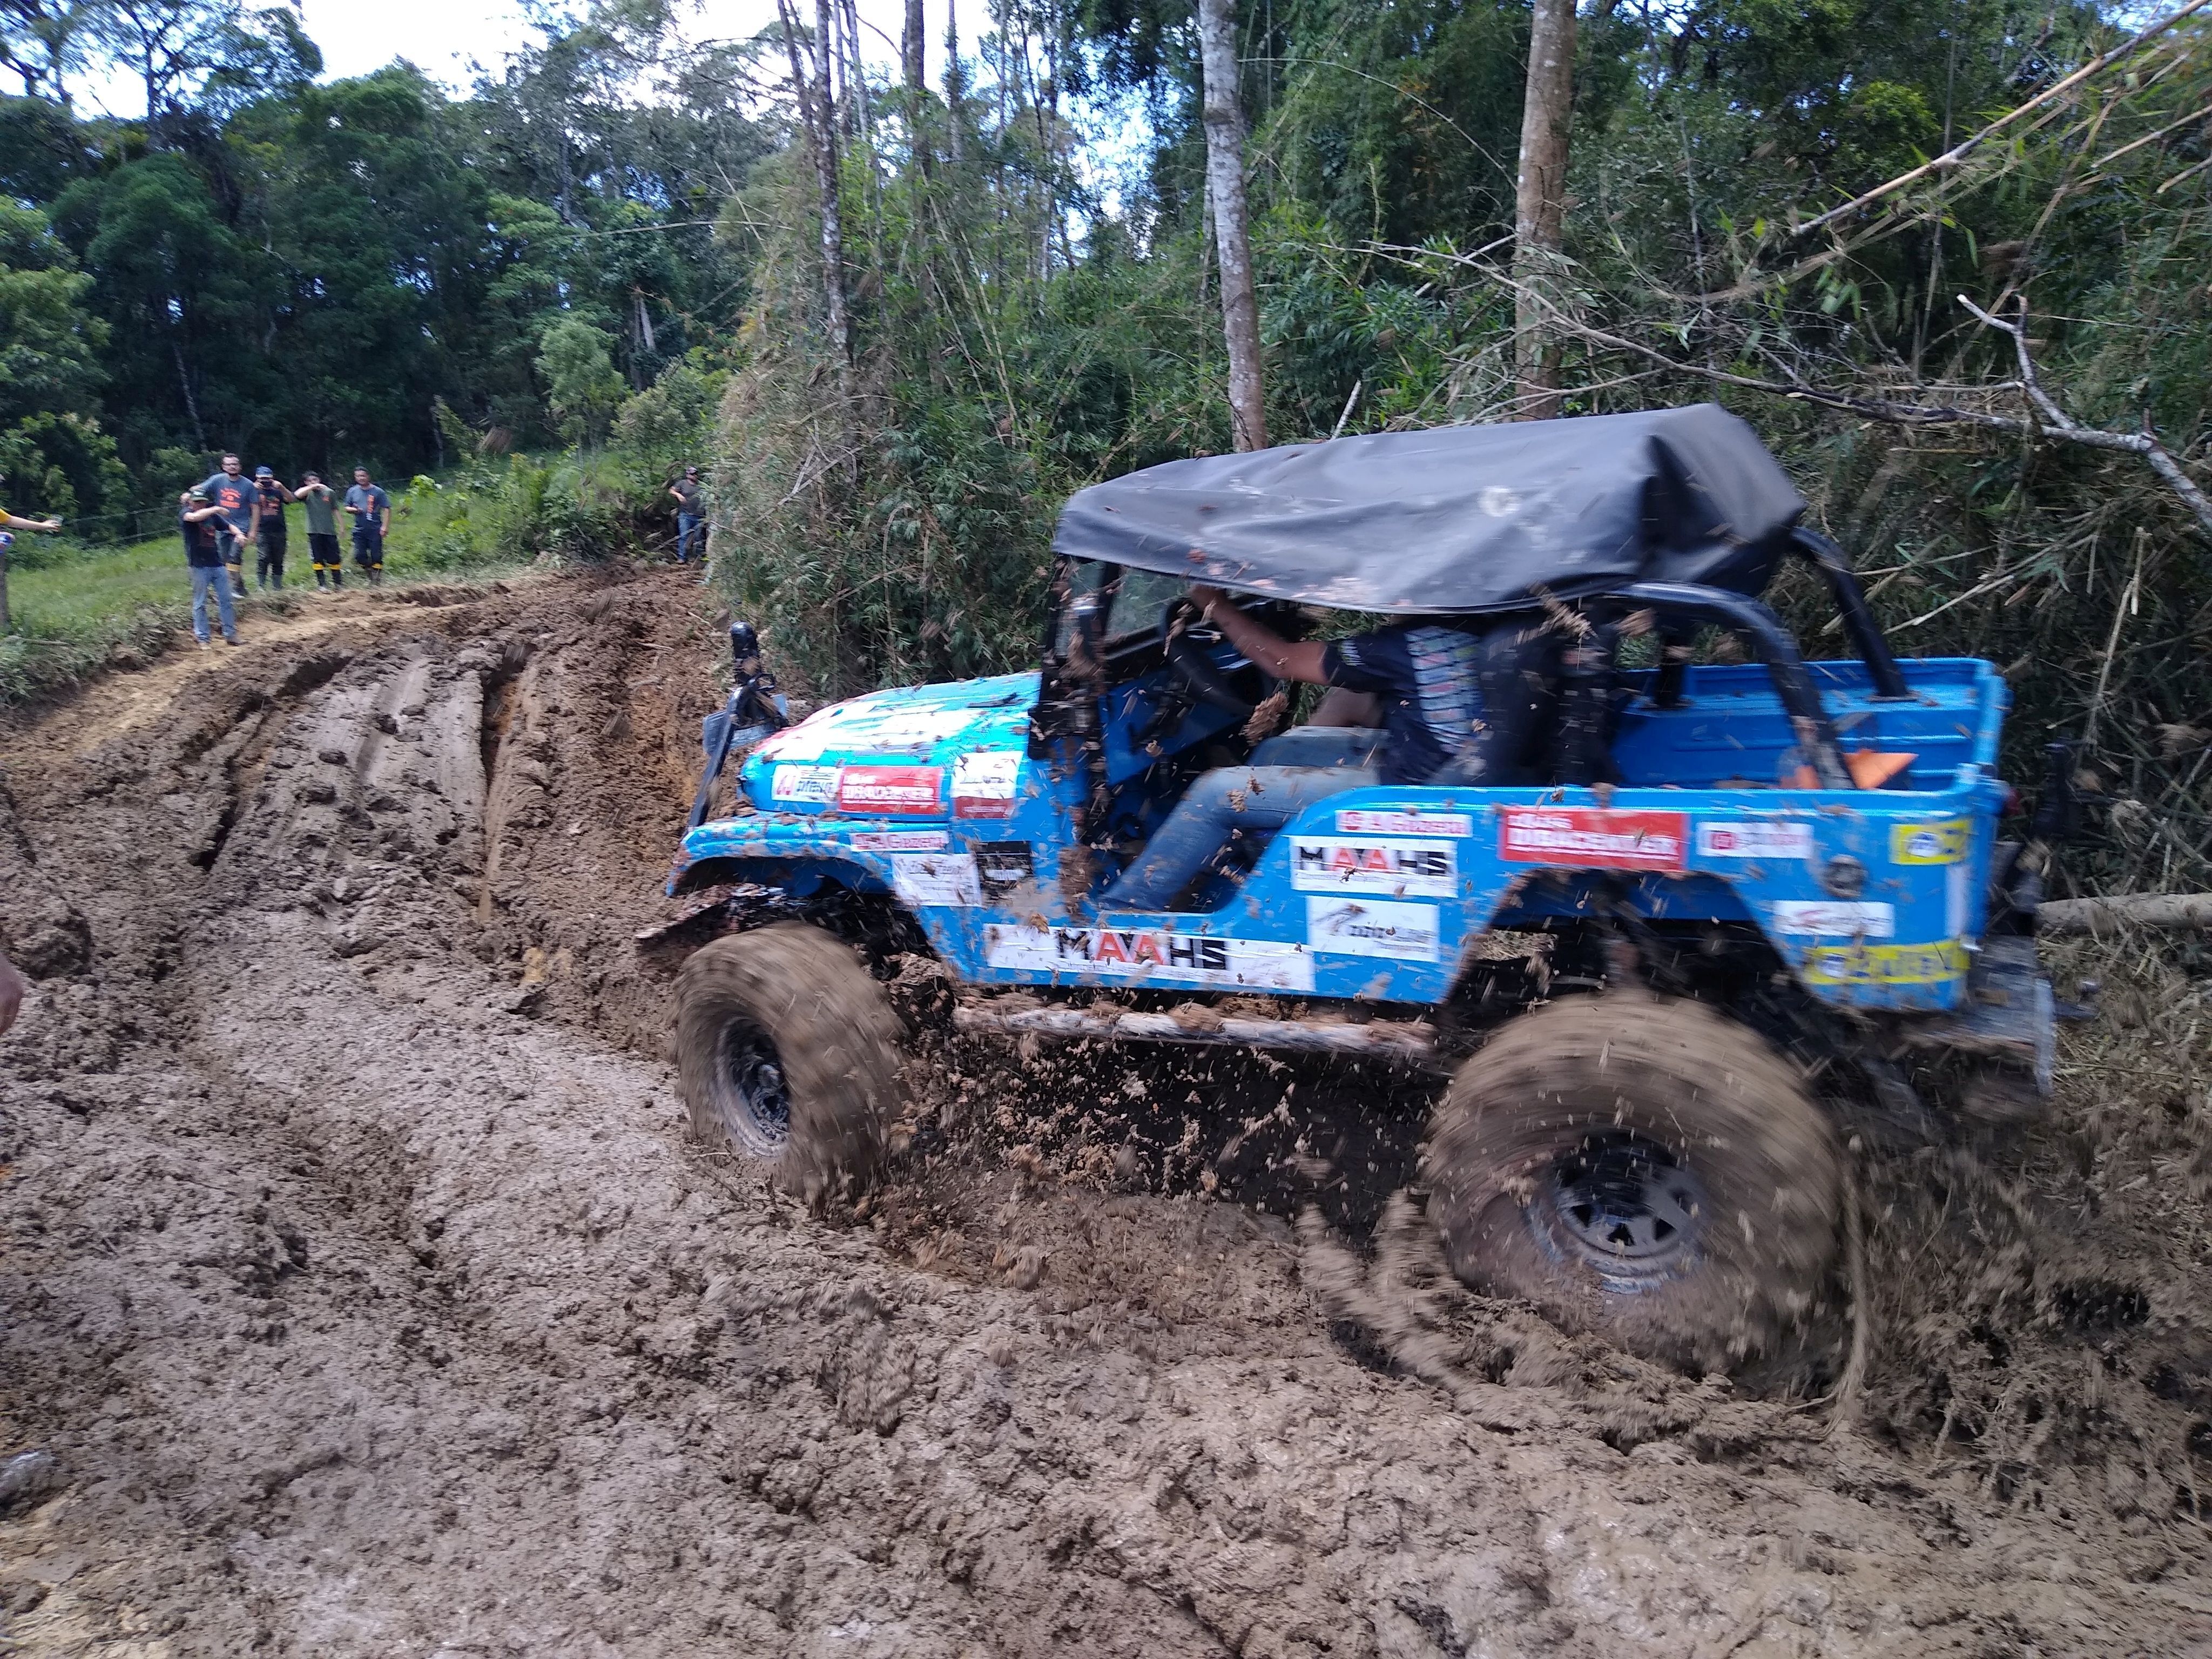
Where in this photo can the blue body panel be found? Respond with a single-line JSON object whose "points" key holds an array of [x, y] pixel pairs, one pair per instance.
{"points": [[929, 794]]}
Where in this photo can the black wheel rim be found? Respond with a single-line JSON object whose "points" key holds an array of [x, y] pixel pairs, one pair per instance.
{"points": [[1627, 1206], [752, 1096]]}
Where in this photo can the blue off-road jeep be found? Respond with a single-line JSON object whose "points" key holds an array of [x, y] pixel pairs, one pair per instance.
{"points": [[1655, 918]]}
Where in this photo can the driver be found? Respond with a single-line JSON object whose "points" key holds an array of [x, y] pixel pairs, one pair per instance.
{"points": [[1427, 680], [1458, 705]]}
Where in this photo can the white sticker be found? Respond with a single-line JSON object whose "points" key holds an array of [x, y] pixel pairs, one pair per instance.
{"points": [[1148, 954], [1755, 838], [1326, 864], [983, 784], [924, 879], [1371, 927], [900, 840], [1358, 821], [1836, 918], [818, 784], [1955, 894]]}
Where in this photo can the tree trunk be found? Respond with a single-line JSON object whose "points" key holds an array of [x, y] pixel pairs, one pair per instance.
{"points": [[955, 86], [819, 116], [1540, 200], [1224, 179], [912, 53]]}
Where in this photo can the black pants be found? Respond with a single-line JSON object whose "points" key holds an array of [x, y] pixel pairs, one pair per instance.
{"points": [[323, 554], [269, 569], [368, 553]]}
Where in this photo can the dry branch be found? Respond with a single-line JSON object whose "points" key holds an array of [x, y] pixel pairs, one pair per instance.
{"points": [[1951, 158], [2104, 917]]}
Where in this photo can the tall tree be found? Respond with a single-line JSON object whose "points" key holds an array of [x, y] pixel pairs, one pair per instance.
{"points": [[1224, 178], [816, 96], [1540, 200]]}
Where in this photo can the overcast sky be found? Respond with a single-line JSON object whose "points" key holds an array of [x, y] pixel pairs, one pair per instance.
{"points": [[445, 39]]}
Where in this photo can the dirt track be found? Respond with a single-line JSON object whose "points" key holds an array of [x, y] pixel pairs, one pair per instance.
{"points": [[369, 1301]]}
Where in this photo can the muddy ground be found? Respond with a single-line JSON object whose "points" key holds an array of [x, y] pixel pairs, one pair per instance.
{"points": [[364, 1293]]}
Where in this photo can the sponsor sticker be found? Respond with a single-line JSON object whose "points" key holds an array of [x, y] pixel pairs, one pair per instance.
{"points": [[926, 879], [1003, 865], [895, 790], [1836, 918], [1885, 964], [983, 784], [1943, 842], [818, 784], [1593, 838], [1359, 821], [1755, 838], [900, 840], [1327, 864], [1374, 928], [1148, 954]]}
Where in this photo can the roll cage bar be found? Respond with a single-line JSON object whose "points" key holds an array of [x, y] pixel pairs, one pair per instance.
{"points": [[1079, 668]]}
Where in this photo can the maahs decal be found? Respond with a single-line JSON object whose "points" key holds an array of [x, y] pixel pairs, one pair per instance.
{"points": [[1329, 864], [1148, 954]]}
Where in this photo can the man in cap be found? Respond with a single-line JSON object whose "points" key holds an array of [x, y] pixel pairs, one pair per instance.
{"points": [[199, 520], [689, 515], [230, 490], [270, 531]]}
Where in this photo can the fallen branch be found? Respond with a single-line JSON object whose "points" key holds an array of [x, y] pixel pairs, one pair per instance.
{"points": [[1951, 158], [2106, 916]]}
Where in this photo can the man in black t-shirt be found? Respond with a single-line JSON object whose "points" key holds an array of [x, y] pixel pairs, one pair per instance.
{"points": [[269, 532], [200, 520]]}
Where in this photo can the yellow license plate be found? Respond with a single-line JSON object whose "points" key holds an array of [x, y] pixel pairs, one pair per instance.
{"points": [[1943, 842], [1885, 964]]}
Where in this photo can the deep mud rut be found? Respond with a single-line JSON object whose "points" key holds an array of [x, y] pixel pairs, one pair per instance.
{"points": [[369, 1301]]}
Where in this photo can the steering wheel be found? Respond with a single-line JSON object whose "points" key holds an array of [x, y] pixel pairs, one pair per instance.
{"points": [[1191, 666]]}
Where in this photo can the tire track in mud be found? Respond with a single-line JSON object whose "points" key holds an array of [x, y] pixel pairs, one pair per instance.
{"points": [[360, 1279]]}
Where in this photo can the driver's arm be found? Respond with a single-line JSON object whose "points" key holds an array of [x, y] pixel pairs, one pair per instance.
{"points": [[1286, 659]]}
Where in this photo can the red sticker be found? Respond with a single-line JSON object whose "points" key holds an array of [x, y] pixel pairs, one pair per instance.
{"points": [[895, 791], [1593, 838]]}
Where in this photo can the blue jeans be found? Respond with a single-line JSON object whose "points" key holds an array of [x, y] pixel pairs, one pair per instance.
{"points": [[1323, 745], [687, 527], [1223, 801], [218, 578]]}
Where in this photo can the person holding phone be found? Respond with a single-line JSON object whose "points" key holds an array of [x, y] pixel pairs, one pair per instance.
{"points": [[319, 503]]}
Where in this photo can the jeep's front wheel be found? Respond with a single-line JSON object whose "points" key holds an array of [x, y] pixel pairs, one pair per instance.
{"points": [[788, 1055], [1642, 1169]]}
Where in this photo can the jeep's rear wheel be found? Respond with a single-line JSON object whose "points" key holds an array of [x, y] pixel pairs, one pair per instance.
{"points": [[788, 1055], [1642, 1169]]}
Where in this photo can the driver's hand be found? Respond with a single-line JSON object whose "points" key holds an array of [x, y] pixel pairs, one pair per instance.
{"points": [[1206, 597]]}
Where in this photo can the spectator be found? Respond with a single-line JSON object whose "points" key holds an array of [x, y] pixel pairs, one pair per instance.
{"points": [[232, 491], [688, 518], [270, 531], [12, 995], [199, 520], [372, 516], [315, 498], [10, 522]]}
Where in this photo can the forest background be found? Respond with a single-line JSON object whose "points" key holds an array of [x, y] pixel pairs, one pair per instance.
{"points": [[614, 256]]}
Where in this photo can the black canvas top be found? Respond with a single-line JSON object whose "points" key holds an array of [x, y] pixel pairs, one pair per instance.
{"points": [[1457, 518]]}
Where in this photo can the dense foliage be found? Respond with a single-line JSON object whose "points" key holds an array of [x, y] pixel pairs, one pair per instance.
{"points": [[624, 230]]}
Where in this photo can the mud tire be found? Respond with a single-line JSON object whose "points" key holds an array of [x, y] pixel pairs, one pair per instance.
{"points": [[1559, 1091], [832, 1032]]}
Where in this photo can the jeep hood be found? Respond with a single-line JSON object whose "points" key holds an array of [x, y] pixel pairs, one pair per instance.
{"points": [[904, 753]]}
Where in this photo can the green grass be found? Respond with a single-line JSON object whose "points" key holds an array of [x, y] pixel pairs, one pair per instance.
{"points": [[74, 608]]}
